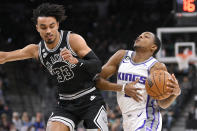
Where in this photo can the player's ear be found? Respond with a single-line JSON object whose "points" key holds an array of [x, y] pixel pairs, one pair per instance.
{"points": [[153, 48], [58, 25]]}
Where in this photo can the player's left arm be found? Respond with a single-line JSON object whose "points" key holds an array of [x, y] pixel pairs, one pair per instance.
{"points": [[172, 87], [88, 60]]}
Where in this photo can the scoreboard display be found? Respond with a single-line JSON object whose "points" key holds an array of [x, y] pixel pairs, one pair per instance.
{"points": [[186, 7], [189, 6], [186, 12]]}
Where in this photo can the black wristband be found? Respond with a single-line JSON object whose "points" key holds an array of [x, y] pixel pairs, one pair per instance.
{"points": [[90, 63]]}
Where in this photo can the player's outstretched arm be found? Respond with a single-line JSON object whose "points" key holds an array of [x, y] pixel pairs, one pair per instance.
{"points": [[30, 51], [173, 87], [109, 69]]}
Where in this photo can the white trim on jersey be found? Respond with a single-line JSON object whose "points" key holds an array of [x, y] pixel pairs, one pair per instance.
{"points": [[126, 55], [101, 119], [40, 53], [144, 62], [76, 95], [149, 68], [57, 46], [68, 44], [65, 121]]}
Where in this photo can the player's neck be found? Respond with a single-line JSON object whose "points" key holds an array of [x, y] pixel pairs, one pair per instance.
{"points": [[56, 41], [140, 57]]}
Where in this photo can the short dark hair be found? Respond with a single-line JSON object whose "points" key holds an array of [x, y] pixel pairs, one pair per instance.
{"points": [[49, 10], [157, 42]]}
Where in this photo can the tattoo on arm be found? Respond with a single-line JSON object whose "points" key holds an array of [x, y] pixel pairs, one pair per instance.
{"points": [[159, 66]]}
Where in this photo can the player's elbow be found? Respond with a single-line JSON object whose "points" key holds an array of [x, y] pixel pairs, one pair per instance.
{"points": [[163, 104], [95, 67], [3, 57], [99, 83]]}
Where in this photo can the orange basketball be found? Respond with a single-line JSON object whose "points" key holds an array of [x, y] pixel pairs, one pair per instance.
{"points": [[156, 84]]}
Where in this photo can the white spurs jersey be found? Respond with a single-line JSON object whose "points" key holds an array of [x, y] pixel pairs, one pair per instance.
{"points": [[128, 72]]}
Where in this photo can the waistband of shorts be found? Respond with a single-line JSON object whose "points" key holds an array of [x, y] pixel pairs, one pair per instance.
{"points": [[76, 95]]}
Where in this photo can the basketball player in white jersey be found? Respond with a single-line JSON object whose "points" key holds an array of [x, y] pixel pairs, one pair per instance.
{"points": [[140, 112], [72, 64]]}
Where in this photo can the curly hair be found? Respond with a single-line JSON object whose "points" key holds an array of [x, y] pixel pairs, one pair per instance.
{"points": [[49, 10]]}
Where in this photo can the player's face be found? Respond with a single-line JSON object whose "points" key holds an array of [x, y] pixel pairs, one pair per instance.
{"points": [[48, 29], [145, 41]]}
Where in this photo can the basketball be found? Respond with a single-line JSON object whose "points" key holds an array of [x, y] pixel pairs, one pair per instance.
{"points": [[156, 84]]}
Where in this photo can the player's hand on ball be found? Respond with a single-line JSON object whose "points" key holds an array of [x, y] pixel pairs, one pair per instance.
{"points": [[132, 91], [66, 55], [173, 86]]}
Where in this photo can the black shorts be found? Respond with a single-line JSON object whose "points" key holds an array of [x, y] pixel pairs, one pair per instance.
{"points": [[90, 108]]}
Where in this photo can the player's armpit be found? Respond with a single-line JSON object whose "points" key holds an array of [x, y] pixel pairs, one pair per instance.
{"points": [[30, 51]]}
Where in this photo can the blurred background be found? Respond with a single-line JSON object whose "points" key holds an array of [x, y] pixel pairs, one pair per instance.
{"points": [[26, 92]]}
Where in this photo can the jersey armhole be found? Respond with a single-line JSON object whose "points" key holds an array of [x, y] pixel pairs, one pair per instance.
{"points": [[149, 68], [126, 53], [40, 59], [68, 44]]}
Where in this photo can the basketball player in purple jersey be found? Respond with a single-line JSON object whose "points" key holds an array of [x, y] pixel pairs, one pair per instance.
{"points": [[140, 112], [72, 64]]}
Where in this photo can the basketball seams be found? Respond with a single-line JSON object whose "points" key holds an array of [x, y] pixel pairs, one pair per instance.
{"points": [[159, 80], [156, 84], [164, 82], [150, 90]]}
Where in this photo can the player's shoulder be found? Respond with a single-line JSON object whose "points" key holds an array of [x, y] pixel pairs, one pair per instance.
{"points": [[75, 37], [31, 47], [76, 41], [121, 52], [118, 56], [159, 66]]}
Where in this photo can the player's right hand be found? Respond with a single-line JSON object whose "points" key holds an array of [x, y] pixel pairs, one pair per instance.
{"points": [[66, 55], [132, 91]]}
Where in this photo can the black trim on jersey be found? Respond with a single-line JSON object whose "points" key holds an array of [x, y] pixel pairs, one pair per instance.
{"points": [[40, 54], [90, 63]]}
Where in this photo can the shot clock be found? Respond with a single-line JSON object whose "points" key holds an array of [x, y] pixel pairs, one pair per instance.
{"points": [[189, 6], [186, 12]]}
